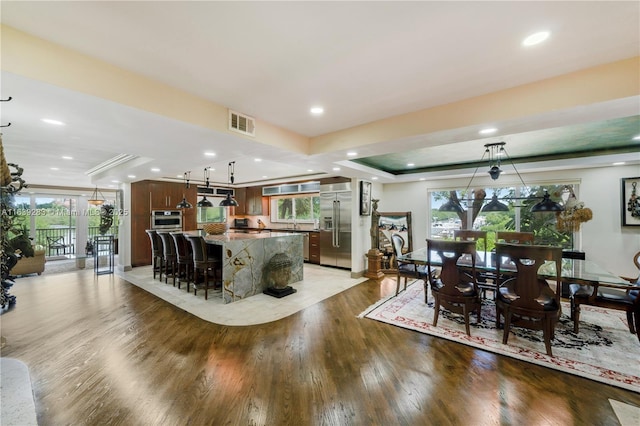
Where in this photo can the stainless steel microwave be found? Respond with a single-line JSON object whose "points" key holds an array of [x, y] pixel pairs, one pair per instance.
{"points": [[166, 219]]}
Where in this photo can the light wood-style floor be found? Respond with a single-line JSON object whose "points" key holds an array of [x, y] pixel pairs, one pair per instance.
{"points": [[103, 352]]}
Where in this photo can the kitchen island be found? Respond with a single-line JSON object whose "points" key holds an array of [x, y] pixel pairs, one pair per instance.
{"points": [[251, 262]]}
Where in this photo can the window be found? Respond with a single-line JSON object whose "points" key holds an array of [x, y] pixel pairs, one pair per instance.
{"points": [[518, 218], [301, 209]]}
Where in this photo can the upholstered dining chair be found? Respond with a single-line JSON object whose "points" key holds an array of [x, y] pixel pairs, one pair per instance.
{"points": [[205, 262], [406, 270], [513, 237], [184, 260], [623, 299], [524, 298], [454, 288], [156, 252]]}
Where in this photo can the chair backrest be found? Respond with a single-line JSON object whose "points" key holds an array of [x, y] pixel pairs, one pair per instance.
{"points": [[471, 235], [449, 253], [183, 247], [515, 237], [168, 246], [198, 247], [155, 247], [398, 244], [56, 241], [529, 287]]}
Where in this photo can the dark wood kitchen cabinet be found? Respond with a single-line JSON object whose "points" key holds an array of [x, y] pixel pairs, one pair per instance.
{"points": [[314, 247], [251, 202], [150, 195]]}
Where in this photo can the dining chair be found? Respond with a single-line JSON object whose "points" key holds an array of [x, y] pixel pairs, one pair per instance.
{"points": [[406, 270], [524, 298], [454, 289], [156, 252], [184, 260], [622, 298], [206, 262], [486, 281], [513, 237], [169, 254]]}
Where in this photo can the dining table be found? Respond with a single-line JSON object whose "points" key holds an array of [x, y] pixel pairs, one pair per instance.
{"points": [[573, 270]]}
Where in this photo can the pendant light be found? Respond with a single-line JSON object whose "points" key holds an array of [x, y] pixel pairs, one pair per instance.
{"points": [[184, 204], [546, 205], [94, 200], [230, 202], [204, 202], [495, 152]]}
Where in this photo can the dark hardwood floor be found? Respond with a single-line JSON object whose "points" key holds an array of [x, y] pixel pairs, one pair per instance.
{"points": [[103, 352]]}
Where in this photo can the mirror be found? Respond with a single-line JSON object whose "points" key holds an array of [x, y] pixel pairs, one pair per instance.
{"points": [[390, 223]]}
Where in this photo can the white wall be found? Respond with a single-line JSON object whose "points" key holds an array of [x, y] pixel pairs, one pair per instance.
{"points": [[603, 239]]}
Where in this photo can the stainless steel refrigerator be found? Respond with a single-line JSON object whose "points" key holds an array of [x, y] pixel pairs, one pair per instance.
{"points": [[335, 225]]}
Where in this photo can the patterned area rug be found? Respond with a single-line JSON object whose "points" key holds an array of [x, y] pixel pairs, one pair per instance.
{"points": [[603, 350]]}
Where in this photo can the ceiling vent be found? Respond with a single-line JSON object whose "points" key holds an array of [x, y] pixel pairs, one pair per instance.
{"points": [[242, 123]]}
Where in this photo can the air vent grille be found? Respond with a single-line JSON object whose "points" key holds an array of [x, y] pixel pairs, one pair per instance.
{"points": [[242, 123]]}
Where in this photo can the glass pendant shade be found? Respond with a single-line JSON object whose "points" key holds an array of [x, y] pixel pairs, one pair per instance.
{"points": [[495, 205], [547, 205], [94, 200], [204, 202]]}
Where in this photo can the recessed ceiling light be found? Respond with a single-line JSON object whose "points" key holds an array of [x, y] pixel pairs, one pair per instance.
{"points": [[336, 169], [423, 178], [636, 138], [488, 131], [210, 154], [309, 170], [54, 168], [410, 164], [374, 177], [52, 121], [115, 181], [66, 157], [180, 176], [619, 163], [351, 154], [316, 110], [257, 160], [131, 176], [265, 176], [155, 169], [536, 38]]}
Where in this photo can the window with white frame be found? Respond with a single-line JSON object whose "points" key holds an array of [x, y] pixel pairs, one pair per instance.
{"points": [[295, 208], [518, 217]]}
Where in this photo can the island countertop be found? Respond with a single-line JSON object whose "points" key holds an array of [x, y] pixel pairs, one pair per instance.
{"points": [[247, 260]]}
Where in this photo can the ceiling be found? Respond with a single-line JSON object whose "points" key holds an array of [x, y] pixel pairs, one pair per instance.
{"points": [[362, 61]]}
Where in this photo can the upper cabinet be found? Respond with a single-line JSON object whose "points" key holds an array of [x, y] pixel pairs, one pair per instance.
{"points": [[251, 202]]}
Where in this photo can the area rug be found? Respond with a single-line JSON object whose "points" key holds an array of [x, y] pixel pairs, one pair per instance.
{"points": [[603, 350]]}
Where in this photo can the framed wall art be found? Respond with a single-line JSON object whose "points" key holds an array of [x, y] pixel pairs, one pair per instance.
{"points": [[365, 198], [631, 201]]}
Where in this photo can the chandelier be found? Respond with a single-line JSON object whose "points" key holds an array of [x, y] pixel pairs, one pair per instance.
{"points": [[496, 152], [94, 200]]}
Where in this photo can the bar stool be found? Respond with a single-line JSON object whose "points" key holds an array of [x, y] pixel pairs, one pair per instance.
{"points": [[204, 261], [170, 256], [156, 252], [185, 257]]}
